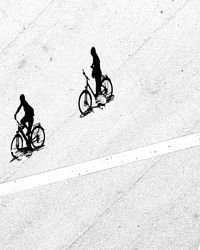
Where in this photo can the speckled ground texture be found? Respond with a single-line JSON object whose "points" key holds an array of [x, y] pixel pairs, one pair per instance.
{"points": [[151, 51]]}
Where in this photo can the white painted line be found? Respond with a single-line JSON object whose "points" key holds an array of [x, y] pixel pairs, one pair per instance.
{"points": [[100, 164]]}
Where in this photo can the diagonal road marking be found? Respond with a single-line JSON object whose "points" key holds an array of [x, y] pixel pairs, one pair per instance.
{"points": [[96, 165]]}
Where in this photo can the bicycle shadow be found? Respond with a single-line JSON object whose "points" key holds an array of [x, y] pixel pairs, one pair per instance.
{"points": [[91, 110], [26, 152], [100, 106]]}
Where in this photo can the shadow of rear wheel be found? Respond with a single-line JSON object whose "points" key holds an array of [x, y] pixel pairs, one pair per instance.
{"points": [[85, 102], [106, 88], [37, 137]]}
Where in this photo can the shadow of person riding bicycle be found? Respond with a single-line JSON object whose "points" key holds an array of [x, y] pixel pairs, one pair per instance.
{"points": [[25, 143], [104, 88]]}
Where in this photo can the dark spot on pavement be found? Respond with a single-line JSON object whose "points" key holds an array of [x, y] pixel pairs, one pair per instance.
{"points": [[22, 64], [45, 47]]}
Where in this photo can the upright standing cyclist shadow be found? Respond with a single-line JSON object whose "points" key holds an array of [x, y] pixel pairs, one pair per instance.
{"points": [[96, 72], [104, 88]]}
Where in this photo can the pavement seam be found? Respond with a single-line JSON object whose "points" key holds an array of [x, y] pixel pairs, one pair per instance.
{"points": [[9, 44], [107, 210], [150, 37]]}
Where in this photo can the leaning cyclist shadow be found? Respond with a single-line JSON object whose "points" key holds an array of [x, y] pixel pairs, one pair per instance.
{"points": [[26, 152]]}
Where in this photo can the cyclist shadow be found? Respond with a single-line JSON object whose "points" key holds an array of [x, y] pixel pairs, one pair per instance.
{"points": [[26, 152]]}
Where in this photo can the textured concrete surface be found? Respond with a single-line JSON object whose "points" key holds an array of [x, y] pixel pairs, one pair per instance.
{"points": [[152, 204], [150, 49]]}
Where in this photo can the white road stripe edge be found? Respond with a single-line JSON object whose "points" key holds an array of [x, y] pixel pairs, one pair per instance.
{"points": [[100, 164]]}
